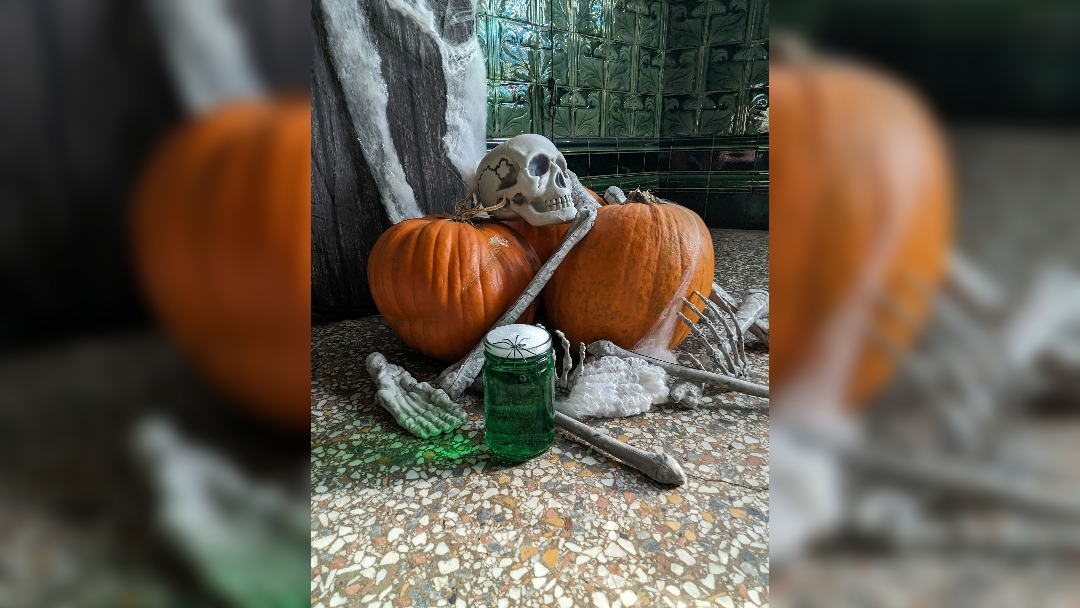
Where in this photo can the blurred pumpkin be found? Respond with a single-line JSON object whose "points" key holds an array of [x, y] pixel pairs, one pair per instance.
{"points": [[624, 280], [222, 245], [441, 283], [858, 168]]}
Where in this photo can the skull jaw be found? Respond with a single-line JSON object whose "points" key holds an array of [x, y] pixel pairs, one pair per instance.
{"points": [[534, 217], [547, 218]]}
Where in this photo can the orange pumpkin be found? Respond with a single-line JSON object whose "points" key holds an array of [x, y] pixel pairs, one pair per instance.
{"points": [[623, 281], [441, 283], [856, 160], [222, 240], [543, 239]]}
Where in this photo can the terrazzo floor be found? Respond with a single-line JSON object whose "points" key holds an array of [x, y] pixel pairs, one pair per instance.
{"points": [[400, 521]]}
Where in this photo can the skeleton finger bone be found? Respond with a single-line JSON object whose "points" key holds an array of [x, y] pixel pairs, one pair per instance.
{"points": [[727, 326], [659, 466], [418, 407], [719, 356], [757, 328], [562, 380], [456, 378], [605, 347], [736, 342]]}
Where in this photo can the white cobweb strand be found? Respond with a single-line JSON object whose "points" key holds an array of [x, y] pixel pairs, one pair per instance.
{"points": [[359, 68], [611, 387], [207, 53]]}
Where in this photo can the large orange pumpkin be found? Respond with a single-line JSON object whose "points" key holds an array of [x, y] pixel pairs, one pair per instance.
{"points": [[222, 234], [441, 283], [623, 281], [858, 169]]}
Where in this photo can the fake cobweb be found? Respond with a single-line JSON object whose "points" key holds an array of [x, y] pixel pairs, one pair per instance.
{"points": [[359, 68], [610, 387]]}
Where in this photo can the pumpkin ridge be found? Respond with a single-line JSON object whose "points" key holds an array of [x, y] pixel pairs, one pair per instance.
{"points": [[497, 244]]}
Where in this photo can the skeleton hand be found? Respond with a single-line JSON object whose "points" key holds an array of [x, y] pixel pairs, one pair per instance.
{"points": [[420, 408]]}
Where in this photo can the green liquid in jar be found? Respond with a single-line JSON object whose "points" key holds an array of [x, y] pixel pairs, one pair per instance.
{"points": [[519, 405]]}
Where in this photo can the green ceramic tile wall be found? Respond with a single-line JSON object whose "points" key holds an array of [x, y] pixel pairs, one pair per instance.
{"points": [[716, 68], [625, 68], [666, 95]]}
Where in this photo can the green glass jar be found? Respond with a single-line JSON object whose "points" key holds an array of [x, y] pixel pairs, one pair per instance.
{"points": [[519, 392]]}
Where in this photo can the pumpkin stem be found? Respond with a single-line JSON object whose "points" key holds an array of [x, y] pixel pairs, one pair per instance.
{"points": [[642, 196], [468, 208]]}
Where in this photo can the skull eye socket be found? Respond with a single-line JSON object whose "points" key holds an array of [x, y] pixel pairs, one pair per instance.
{"points": [[539, 164]]}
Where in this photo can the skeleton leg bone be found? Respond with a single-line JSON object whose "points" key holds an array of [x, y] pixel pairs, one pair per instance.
{"points": [[659, 466]]}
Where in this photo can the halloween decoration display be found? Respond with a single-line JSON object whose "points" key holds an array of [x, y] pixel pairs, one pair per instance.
{"points": [[600, 292], [967, 450], [221, 240], [441, 282], [860, 192], [526, 179]]}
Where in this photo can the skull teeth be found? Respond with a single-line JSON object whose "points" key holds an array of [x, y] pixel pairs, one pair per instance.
{"points": [[555, 204]]}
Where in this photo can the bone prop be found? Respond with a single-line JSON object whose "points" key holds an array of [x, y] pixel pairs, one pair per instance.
{"points": [[754, 306], [729, 338], [731, 343], [659, 466], [975, 290], [756, 328], [418, 407], [604, 347], [456, 378], [961, 480]]}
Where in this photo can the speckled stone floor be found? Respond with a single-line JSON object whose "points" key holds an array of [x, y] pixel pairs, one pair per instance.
{"points": [[400, 521]]}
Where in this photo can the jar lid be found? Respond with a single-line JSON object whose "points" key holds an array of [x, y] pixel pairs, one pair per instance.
{"points": [[517, 341]]}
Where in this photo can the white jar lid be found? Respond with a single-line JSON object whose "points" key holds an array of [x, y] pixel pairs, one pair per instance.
{"points": [[517, 341]]}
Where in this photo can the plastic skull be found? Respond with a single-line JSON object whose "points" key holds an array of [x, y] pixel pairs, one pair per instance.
{"points": [[531, 173]]}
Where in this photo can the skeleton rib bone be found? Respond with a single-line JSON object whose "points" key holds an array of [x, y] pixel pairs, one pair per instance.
{"points": [[605, 347], [418, 407]]}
